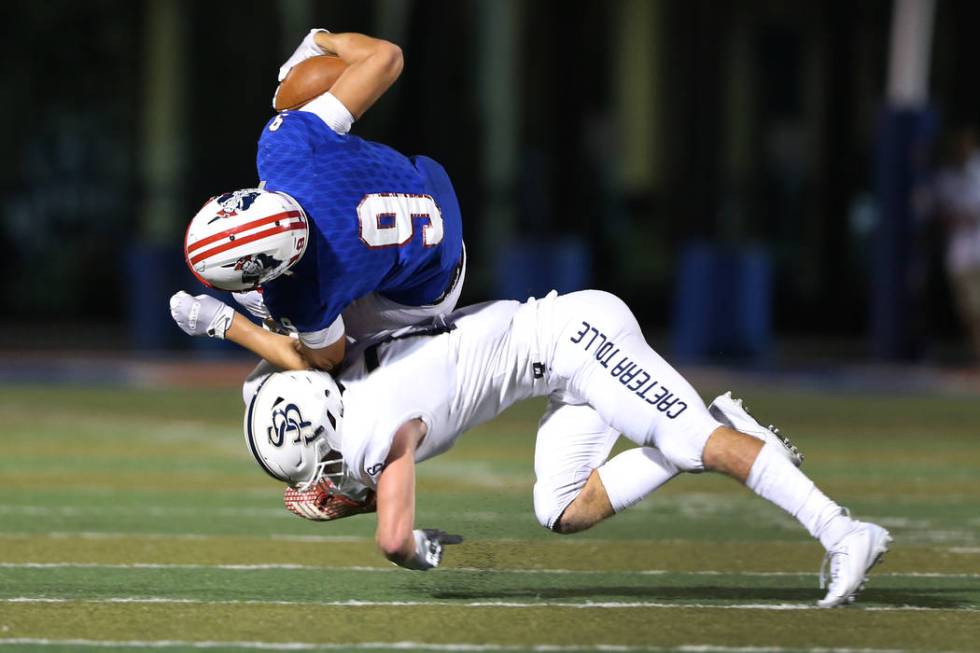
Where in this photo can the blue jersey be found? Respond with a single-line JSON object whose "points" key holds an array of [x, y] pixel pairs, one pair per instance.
{"points": [[379, 221]]}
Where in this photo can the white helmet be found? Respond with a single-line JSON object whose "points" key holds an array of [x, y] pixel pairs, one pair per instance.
{"points": [[293, 427], [240, 240]]}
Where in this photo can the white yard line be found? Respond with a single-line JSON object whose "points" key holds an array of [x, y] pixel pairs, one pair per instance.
{"points": [[155, 565], [262, 512], [110, 535], [426, 646], [150, 511], [693, 505], [588, 605], [386, 569], [114, 535]]}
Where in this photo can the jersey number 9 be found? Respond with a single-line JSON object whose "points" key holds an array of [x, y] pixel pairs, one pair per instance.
{"points": [[389, 219]]}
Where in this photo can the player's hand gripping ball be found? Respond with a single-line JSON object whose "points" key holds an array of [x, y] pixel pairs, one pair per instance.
{"points": [[307, 80]]}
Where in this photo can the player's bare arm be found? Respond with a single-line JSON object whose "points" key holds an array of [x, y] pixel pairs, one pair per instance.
{"points": [[373, 65], [396, 495], [281, 351], [326, 358], [396, 535], [204, 315]]}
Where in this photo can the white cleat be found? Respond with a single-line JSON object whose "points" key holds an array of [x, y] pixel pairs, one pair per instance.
{"points": [[850, 561], [730, 412]]}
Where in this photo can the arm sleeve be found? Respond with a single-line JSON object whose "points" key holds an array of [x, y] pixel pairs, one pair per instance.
{"points": [[331, 111], [323, 337]]}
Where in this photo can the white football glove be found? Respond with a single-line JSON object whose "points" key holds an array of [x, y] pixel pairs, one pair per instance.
{"points": [[428, 548], [252, 302], [202, 315], [307, 48]]}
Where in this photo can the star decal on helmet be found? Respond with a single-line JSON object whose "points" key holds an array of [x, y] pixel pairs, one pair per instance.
{"points": [[232, 203]]}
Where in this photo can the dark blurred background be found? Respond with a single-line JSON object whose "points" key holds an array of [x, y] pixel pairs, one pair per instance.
{"points": [[735, 169]]}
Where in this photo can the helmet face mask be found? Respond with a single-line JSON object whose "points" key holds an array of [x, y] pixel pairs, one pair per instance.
{"points": [[242, 239], [293, 428], [330, 467]]}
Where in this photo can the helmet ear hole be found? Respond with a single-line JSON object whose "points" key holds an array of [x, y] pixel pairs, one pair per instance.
{"points": [[333, 420]]}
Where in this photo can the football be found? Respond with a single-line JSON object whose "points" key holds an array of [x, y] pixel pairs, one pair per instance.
{"points": [[307, 80]]}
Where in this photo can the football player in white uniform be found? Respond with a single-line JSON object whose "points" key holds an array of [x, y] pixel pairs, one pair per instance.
{"points": [[407, 396]]}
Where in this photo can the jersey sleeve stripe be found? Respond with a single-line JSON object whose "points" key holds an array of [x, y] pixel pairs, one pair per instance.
{"points": [[221, 235]]}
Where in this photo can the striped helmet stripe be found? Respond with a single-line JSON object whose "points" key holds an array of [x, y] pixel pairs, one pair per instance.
{"points": [[238, 242], [221, 235]]}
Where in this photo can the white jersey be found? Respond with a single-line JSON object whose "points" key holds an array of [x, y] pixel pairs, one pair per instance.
{"points": [[452, 375], [584, 349]]}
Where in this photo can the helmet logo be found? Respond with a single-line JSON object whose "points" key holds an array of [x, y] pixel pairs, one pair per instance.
{"points": [[232, 203], [289, 420], [252, 267]]}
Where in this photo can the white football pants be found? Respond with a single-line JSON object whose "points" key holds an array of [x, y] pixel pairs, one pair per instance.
{"points": [[605, 380]]}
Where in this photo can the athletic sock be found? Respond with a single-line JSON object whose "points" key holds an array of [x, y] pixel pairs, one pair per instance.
{"points": [[633, 474], [776, 479]]}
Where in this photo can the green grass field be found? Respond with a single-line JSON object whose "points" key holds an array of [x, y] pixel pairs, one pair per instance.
{"points": [[134, 519]]}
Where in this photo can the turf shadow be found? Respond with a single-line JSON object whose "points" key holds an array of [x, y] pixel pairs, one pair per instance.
{"points": [[931, 598]]}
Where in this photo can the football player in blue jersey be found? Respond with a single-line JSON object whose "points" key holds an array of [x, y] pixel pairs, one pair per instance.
{"points": [[343, 236]]}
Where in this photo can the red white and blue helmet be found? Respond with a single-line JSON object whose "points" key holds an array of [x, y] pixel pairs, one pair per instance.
{"points": [[240, 240]]}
